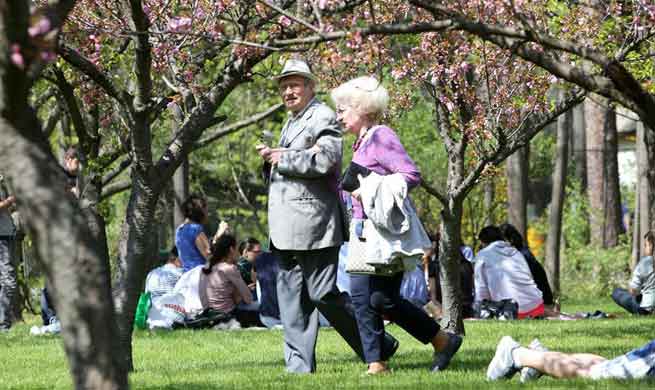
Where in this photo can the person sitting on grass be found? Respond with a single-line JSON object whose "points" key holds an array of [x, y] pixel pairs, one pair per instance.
{"points": [[162, 280], [536, 360], [512, 235], [640, 297], [501, 272], [249, 249], [221, 286]]}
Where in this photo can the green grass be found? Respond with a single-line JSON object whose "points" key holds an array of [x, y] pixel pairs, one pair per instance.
{"points": [[253, 359]]}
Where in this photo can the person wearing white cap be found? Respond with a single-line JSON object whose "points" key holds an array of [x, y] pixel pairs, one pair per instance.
{"points": [[305, 221]]}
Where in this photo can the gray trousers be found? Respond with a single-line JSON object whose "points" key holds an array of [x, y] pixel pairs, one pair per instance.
{"points": [[307, 281], [7, 282]]}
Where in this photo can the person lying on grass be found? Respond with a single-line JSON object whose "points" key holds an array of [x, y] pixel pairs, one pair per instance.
{"points": [[536, 360]]}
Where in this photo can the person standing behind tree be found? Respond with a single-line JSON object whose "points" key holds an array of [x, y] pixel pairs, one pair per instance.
{"points": [[305, 222], [8, 283]]}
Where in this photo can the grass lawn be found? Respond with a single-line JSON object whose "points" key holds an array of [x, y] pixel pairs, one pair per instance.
{"points": [[250, 359]]}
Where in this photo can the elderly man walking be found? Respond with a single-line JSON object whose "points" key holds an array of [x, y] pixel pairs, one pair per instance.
{"points": [[305, 222]]}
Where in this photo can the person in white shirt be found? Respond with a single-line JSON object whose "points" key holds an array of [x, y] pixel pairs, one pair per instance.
{"points": [[501, 272], [162, 280]]}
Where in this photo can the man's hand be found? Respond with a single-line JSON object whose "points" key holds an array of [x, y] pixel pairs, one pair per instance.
{"points": [[8, 202], [269, 154]]}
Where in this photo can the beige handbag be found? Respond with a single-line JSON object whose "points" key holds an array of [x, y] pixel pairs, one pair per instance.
{"points": [[355, 263], [356, 260]]}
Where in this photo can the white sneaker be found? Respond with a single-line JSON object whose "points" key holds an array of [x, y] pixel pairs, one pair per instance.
{"points": [[228, 325], [35, 330], [502, 365], [53, 328], [528, 373], [233, 324]]}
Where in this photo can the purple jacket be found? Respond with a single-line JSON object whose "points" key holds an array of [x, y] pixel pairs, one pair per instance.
{"points": [[383, 153]]}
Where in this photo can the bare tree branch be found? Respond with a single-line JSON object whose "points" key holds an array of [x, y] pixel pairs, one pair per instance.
{"points": [[114, 189], [81, 63], [290, 16], [73, 108], [378, 29], [57, 11], [226, 130], [434, 192], [140, 134], [52, 121], [116, 171]]}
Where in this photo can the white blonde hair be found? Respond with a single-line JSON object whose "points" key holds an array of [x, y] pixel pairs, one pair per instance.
{"points": [[364, 94]]}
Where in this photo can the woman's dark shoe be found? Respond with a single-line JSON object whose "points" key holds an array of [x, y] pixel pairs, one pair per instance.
{"points": [[442, 358]]}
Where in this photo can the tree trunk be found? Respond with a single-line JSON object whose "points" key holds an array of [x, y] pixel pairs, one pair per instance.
{"points": [[557, 202], [612, 192], [449, 256], [180, 190], [579, 146], [517, 189], [72, 260], [642, 211], [135, 248], [449, 246], [648, 213], [488, 202], [595, 115]]}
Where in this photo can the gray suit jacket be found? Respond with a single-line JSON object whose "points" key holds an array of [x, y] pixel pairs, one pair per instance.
{"points": [[303, 203]]}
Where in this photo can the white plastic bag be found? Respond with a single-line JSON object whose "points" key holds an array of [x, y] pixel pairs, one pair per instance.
{"points": [[166, 310]]}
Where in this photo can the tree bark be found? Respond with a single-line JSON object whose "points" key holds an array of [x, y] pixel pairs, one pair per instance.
{"points": [[648, 213], [180, 191], [488, 202], [72, 259], [517, 189], [595, 115], [579, 146], [613, 225], [449, 245], [642, 210], [557, 202], [135, 248]]}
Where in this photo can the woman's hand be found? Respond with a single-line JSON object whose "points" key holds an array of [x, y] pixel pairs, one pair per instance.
{"points": [[223, 227]]}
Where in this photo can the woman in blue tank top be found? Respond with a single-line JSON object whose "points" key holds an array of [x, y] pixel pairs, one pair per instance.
{"points": [[190, 239]]}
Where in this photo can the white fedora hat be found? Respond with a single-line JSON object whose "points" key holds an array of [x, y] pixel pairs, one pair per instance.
{"points": [[295, 67]]}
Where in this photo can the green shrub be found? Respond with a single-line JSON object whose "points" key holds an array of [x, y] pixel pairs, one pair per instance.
{"points": [[588, 271]]}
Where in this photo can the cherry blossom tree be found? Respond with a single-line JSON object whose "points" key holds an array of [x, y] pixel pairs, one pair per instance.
{"points": [[73, 262], [603, 47]]}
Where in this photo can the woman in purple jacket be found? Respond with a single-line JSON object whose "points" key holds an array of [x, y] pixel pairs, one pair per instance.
{"points": [[359, 105]]}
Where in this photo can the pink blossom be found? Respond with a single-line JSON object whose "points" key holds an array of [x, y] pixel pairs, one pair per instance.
{"points": [[322, 4], [179, 24], [48, 56], [17, 57], [286, 22], [40, 28]]}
